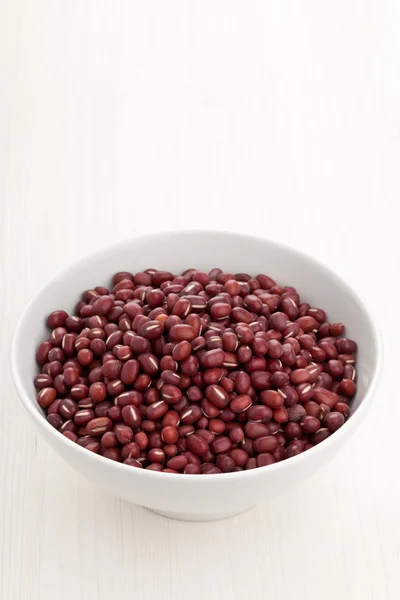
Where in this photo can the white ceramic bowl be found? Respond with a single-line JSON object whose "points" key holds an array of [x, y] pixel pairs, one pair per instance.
{"points": [[192, 497]]}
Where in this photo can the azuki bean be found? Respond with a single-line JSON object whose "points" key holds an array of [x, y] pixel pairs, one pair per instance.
{"points": [[189, 334], [255, 430], [240, 404], [271, 398], [320, 436], [217, 396], [324, 396], [131, 416], [46, 397], [348, 387], [334, 420], [197, 445]]}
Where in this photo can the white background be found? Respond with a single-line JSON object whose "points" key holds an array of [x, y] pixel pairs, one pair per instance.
{"points": [[273, 117]]}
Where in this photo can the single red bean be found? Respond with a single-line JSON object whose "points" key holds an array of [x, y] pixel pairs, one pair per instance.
{"points": [[141, 440], [343, 408], [82, 417], [271, 398], [310, 424], [307, 323], [239, 456], [99, 426], [142, 382], [240, 404], [296, 413], [171, 394], [221, 445], [46, 397], [336, 329], [124, 433], [197, 445], [191, 414], [156, 455], [181, 332], [264, 460], [178, 463], [236, 435], [225, 463], [131, 416], [277, 321], [334, 420], [348, 387], [217, 396], [242, 382], [256, 430], [169, 434], [251, 464], [305, 392], [102, 408], [321, 435], [157, 410], [274, 349], [280, 415], [267, 443], [57, 319], [259, 413], [294, 448], [324, 396], [260, 380]]}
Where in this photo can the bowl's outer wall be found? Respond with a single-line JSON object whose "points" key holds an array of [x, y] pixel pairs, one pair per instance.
{"points": [[176, 252]]}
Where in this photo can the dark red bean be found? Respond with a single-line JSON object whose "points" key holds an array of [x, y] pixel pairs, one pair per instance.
{"points": [[272, 398], [260, 413], [191, 414], [217, 396], [348, 387], [57, 319], [320, 436], [260, 380], [197, 445], [334, 420], [131, 416], [255, 430], [296, 413], [242, 382], [221, 444], [43, 351], [213, 358], [265, 459], [343, 408], [274, 349], [46, 397], [157, 410], [310, 424], [171, 393], [277, 321], [236, 435], [99, 426], [240, 404], [43, 380], [324, 396]]}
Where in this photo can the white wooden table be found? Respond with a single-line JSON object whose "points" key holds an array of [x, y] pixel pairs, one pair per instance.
{"points": [[277, 118]]}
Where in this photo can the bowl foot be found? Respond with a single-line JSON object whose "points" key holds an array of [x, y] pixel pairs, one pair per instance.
{"points": [[199, 517]]}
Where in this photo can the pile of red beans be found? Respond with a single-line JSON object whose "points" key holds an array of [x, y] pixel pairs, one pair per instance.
{"points": [[197, 373]]}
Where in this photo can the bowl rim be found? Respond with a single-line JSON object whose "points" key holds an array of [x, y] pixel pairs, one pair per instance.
{"points": [[288, 463]]}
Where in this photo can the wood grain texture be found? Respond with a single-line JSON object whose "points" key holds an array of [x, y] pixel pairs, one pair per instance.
{"points": [[280, 119]]}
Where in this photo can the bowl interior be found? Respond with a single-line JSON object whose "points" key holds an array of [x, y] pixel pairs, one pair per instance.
{"points": [[203, 250]]}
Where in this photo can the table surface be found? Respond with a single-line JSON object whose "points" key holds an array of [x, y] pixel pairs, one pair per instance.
{"points": [[275, 118]]}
